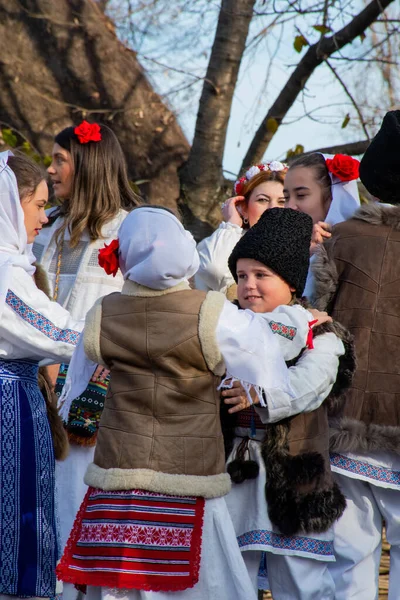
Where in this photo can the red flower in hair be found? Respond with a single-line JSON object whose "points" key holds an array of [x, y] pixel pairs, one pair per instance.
{"points": [[239, 185], [108, 258], [88, 132], [345, 168]]}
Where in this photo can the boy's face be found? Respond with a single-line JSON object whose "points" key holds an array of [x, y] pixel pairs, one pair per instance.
{"points": [[259, 288]]}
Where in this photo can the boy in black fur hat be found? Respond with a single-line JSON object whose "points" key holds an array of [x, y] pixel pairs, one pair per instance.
{"points": [[284, 500], [358, 280]]}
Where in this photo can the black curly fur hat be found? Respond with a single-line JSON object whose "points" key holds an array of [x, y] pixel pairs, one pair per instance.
{"points": [[281, 241], [380, 165]]}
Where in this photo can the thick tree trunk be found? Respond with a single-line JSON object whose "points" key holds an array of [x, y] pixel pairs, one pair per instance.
{"points": [[61, 61], [202, 177], [314, 56]]}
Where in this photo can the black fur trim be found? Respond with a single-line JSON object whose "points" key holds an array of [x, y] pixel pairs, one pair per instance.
{"points": [[294, 513], [304, 468], [347, 365]]}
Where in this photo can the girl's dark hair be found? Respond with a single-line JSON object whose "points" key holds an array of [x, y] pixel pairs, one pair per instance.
{"points": [[27, 173], [100, 186], [316, 162]]}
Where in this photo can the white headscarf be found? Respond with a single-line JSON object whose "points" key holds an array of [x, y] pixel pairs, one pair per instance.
{"points": [[345, 202], [14, 249], [345, 198], [155, 250]]}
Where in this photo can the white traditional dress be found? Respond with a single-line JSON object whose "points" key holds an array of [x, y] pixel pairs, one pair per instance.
{"points": [[32, 328]]}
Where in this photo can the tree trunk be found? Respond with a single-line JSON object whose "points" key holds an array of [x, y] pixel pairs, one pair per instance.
{"points": [[314, 56], [61, 61], [201, 177]]}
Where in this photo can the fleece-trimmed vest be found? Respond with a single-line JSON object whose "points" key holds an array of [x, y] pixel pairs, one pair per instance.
{"points": [[160, 428], [357, 278], [301, 494]]}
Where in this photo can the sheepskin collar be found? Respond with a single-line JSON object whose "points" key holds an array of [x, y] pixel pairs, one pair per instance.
{"points": [[379, 214], [130, 288]]}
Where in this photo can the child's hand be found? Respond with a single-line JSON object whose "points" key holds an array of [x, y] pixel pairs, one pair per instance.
{"points": [[230, 211], [100, 374], [237, 396], [320, 316], [321, 231]]}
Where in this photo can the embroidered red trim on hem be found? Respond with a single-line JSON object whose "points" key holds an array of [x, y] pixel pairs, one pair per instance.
{"points": [[144, 582]]}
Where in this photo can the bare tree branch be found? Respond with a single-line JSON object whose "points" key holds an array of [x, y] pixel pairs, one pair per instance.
{"points": [[351, 97], [315, 55], [353, 148]]}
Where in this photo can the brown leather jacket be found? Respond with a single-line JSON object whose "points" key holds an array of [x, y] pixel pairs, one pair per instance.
{"points": [[357, 277]]}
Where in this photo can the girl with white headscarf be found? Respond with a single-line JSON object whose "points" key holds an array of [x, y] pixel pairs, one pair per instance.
{"points": [[324, 187], [32, 328], [154, 520]]}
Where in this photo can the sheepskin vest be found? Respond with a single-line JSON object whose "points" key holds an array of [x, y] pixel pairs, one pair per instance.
{"points": [[301, 494], [161, 414], [357, 276]]}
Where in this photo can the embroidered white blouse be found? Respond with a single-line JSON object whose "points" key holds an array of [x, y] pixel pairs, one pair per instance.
{"points": [[32, 327], [82, 281]]}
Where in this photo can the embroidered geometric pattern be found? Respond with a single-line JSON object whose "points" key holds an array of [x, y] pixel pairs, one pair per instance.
{"points": [[135, 539], [44, 451], [285, 542], [283, 330], [27, 520], [40, 322], [248, 418], [10, 460], [363, 469]]}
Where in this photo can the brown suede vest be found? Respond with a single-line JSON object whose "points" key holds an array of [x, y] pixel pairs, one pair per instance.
{"points": [[364, 256], [162, 406]]}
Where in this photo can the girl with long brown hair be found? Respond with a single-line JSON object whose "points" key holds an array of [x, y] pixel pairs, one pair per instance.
{"points": [[89, 177]]}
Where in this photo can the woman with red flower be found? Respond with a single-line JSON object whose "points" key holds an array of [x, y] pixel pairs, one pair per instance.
{"points": [[324, 187], [260, 189], [89, 177]]}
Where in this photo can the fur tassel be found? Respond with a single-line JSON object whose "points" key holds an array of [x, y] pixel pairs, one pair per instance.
{"points": [[315, 512]]}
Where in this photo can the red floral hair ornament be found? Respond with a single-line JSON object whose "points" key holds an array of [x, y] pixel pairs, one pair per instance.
{"points": [[108, 258], [88, 132], [345, 168], [274, 165]]}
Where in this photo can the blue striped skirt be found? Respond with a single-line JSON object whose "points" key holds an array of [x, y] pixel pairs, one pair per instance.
{"points": [[28, 541]]}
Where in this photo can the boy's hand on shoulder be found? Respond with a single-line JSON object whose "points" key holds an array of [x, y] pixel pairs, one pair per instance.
{"points": [[236, 397]]}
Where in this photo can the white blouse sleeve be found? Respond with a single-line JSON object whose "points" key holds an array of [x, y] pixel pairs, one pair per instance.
{"points": [[32, 326], [310, 380], [214, 251], [254, 346]]}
